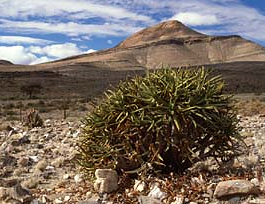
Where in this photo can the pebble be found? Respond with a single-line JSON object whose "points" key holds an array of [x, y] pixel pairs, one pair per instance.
{"points": [[139, 186], [148, 200], [66, 176], [41, 165], [106, 180], [178, 200], [78, 178], [157, 193]]}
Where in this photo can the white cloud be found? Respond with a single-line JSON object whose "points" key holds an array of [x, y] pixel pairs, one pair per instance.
{"points": [[41, 60], [76, 39], [109, 42], [39, 54], [90, 51], [86, 37], [61, 50], [57, 50], [70, 28], [195, 19], [79, 9], [22, 40], [16, 54]]}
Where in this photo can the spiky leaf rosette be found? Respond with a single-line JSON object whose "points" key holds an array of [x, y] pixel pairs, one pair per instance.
{"points": [[169, 118]]}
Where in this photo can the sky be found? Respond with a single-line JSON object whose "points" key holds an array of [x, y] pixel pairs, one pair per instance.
{"points": [[37, 31]]}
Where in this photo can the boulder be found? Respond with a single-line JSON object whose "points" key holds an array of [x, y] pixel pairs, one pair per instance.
{"points": [[235, 188], [107, 180]]}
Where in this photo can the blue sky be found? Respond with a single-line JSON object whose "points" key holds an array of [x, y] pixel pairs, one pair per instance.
{"points": [[36, 31]]}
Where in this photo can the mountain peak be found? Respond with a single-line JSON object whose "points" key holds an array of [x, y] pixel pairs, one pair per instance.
{"points": [[163, 31]]}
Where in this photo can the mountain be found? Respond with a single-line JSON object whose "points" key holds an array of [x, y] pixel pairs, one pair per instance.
{"points": [[5, 62], [240, 61], [172, 43]]}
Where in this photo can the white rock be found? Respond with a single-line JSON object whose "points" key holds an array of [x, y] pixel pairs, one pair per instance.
{"points": [[49, 168], [89, 194], [75, 135], [157, 193], [107, 180], [178, 200], [34, 158], [67, 198], [58, 201], [255, 181], [78, 178], [66, 176], [139, 186], [148, 200], [47, 121]]}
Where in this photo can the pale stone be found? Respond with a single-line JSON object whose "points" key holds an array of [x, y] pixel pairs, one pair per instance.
{"points": [[41, 165], [78, 178], [157, 193], [139, 186], [148, 200], [35, 201], [58, 162], [66, 176], [235, 188], [178, 200], [57, 201], [67, 198], [107, 180], [255, 181]]}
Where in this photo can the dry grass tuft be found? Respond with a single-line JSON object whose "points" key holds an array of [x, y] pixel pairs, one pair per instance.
{"points": [[251, 107]]}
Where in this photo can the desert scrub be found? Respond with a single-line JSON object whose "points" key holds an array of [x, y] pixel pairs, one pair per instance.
{"points": [[251, 107], [168, 119], [32, 119]]}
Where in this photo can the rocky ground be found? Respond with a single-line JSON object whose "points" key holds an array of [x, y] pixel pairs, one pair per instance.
{"points": [[36, 166]]}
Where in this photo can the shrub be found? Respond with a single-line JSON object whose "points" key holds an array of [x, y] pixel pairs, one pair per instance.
{"points": [[169, 119], [32, 119]]}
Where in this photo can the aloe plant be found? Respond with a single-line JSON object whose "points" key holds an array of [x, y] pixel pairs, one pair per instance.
{"points": [[168, 118]]}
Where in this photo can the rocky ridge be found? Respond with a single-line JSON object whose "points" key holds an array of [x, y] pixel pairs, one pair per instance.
{"points": [[170, 43], [5, 62], [40, 159]]}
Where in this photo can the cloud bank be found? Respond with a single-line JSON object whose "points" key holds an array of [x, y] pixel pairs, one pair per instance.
{"points": [[39, 54]]}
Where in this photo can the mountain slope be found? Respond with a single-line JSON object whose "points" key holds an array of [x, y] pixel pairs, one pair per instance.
{"points": [[171, 43], [5, 62]]}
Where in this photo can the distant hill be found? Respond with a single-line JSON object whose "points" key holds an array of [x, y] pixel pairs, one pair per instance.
{"points": [[240, 61], [171, 43], [5, 62]]}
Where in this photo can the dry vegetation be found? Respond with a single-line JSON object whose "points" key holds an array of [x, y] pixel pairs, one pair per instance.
{"points": [[251, 105], [14, 110]]}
